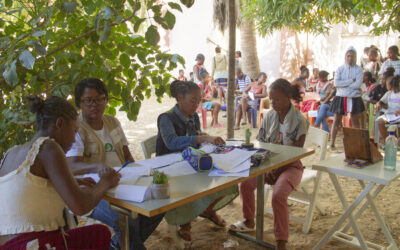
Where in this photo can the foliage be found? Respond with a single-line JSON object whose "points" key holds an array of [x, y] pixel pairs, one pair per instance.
{"points": [[46, 47], [159, 177], [316, 16]]}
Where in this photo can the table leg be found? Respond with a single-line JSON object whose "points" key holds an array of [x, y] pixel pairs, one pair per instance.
{"points": [[363, 207], [260, 208], [124, 231], [380, 219], [347, 214]]}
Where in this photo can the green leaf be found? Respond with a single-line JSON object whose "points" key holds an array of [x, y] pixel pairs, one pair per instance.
{"points": [[152, 36], [26, 59], [8, 3], [69, 7], [65, 90], [125, 60], [187, 3], [39, 48], [38, 33], [11, 74], [170, 19], [175, 6], [107, 13], [106, 32], [119, 19], [138, 23]]}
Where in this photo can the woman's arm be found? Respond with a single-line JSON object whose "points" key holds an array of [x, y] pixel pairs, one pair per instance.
{"points": [[51, 163], [79, 167], [196, 71], [127, 154], [328, 90], [263, 93], [300, 142]]}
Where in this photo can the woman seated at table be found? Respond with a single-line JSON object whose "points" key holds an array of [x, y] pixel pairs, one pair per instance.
{"points": [[254, 90], [284, 124], [179, 128], [37, 185]]}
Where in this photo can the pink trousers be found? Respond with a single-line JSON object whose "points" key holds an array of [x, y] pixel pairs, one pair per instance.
{"points": [[285, 179]]}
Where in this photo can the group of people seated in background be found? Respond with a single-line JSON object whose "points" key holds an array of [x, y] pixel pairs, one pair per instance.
{"points": [[39, 176]]}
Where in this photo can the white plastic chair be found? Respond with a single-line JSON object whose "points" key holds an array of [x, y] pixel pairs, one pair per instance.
{"points": [[149, 148], [302, 195]]}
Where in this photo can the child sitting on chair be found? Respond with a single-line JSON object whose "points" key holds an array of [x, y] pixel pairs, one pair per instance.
{"points": [[284, 124], [207, 102], [391, 101]]}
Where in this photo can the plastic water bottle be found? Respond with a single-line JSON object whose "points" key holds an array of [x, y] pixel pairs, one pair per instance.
{"points": [[391, 149]]}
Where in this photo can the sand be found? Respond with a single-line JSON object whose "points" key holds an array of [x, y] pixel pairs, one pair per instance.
{"points": [[207, 236]]}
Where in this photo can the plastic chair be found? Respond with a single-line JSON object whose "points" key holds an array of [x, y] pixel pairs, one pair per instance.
{"points": [[302, 195], [262, 111], [203, 112], [149, 146], [251, 112]]}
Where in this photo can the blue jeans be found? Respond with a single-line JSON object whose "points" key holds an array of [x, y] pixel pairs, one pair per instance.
{"points": [[323, 113], [139, 229]]}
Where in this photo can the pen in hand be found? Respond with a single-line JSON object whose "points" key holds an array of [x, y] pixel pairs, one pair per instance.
{"points": [[124, 165]]}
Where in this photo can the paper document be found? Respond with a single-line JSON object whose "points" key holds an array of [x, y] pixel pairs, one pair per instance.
{"points": [[230, 160], [251, 95], [392, 118], [178, 169], [161, 161], [312, 113], [131, 193], [207, 148]]}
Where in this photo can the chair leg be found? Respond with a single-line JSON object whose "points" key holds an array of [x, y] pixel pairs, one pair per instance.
{"points": [[267, 190], [311, 208]]}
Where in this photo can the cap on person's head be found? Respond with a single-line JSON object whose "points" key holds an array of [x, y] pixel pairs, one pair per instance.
{"points": [[199, 57]]}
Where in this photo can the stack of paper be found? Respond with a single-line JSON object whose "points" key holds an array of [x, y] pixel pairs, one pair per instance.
{"points": [[160, 161], [392, 118], [131, 193], [235, 163]]}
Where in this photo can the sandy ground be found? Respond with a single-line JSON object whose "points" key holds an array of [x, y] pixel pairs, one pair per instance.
{"points": [[206, 236]]}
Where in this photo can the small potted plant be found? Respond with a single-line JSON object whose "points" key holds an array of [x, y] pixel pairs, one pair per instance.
{"points": [[160, 186], [247, 143]]}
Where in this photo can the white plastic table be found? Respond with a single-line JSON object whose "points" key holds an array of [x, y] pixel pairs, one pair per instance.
{"points": [[185, 189], [378, 178]]}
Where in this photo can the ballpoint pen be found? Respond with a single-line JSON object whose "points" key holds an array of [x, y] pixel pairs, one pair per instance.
{"points": [[124, 165]]}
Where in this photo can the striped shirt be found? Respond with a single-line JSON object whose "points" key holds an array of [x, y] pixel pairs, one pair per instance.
{"points": [[394, 64], [242, 82]]}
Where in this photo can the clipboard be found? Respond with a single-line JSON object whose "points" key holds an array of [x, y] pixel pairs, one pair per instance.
{"points": [[357, 145]]}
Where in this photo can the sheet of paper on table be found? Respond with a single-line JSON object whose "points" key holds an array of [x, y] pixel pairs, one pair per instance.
{"points": [[207, 148], [241, 170], [129, 175], [160, 161], [131, 192], [230, 160], [178, 169]]}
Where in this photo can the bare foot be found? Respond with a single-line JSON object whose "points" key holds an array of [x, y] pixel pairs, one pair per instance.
{"points": [[236, 127]]}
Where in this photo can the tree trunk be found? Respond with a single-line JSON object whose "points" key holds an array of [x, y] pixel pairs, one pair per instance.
{"points": [[248, 45], [231, 68]]}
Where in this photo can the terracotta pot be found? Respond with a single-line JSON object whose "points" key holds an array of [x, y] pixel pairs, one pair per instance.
{"points": [[160, 191]]}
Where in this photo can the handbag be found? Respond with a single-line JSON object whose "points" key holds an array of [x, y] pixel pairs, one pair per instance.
{"points": [[198, 159]]}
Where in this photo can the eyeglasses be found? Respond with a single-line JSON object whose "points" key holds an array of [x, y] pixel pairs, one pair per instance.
{"points": [[97, 101]]}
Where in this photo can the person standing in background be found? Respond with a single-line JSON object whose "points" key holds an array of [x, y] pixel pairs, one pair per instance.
{"points": [[219, 72]]}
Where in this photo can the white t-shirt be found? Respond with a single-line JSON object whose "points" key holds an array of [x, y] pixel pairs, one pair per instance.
{"points": [[112, 158], [392, 100]]}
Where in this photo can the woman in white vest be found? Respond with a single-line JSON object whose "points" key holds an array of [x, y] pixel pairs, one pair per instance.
{"points": [[37, 185], [101, 143]]}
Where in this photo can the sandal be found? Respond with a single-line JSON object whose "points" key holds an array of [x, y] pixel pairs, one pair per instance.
{"points": [[214, 218], [236, 128], [240, 227], [184, 232]]}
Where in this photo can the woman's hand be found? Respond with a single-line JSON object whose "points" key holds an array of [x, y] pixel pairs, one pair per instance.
{"points": [[110, 176], [216, 140], [88, 182]]}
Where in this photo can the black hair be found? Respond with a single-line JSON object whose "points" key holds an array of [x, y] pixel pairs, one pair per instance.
{"points": [[203, 74], [315, 69], [238, 69], [373, 51], [370, 77], [200, 57], [323, 74], [284, 86], [182, 88], [92, 83], [261, 74], [238, 53], [191, 73], [394, 49], [389, 72], [304, 69], [394, 82], [47, 111], [181, 70], [217, 49], [366, 49]]}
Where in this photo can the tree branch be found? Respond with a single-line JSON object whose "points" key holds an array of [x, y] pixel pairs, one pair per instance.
{"points": [[88, 33]]}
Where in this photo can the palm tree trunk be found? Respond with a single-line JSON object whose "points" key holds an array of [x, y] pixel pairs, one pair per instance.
{"points": [[248, 45], [231, 68]]}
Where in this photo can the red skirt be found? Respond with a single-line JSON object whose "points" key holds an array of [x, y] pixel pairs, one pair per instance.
{"points": [[88, 237]]}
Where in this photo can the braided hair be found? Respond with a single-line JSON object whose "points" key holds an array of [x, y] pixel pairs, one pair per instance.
{"points": [[284, 86], [182, 88]]}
